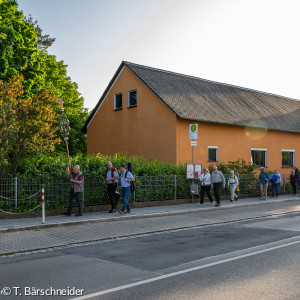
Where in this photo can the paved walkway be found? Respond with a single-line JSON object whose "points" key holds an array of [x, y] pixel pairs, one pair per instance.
{"points": [[21, 236], [136, 213]]}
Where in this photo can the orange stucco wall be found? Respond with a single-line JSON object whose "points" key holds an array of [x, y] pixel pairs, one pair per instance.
{"points": [[148, 130], [234, 142]]}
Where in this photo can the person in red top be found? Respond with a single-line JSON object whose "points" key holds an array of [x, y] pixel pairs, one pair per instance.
{"points": [[111, 179], [75, 190]]}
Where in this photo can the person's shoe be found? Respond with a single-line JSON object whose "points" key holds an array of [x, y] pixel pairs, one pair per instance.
{"points": [[67, 214], [261, 198], [217, 204], [127, 212], [79, 214], [121, 212], [212, 203], [111, 211], [201, 203], [236, 199], [231, 200]]}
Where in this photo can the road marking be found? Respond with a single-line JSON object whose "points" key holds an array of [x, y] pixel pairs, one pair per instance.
{"points": [[126, 286]]}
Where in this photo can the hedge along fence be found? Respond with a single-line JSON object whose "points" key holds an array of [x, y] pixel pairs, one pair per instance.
{"points": [[148, 188], [154, 180]]}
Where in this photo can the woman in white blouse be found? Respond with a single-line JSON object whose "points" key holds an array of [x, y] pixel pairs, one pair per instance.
{"points": [[205, 186]]}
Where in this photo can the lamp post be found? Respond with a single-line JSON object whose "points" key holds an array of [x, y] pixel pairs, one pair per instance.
{"points": [[64, 129]]}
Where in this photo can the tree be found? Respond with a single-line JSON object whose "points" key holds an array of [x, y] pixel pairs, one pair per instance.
{"points": [[27, 125], [19, 52], [60, 85], [44, 41]]}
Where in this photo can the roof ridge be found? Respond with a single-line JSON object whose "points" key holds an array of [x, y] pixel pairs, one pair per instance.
{"points": [[210, 81]]}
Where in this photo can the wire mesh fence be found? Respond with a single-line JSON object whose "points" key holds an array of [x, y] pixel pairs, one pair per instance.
{"points": [[22, 194]]}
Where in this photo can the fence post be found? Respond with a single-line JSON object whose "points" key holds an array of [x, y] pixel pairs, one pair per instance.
{"points": [[175, 187], [284, 182], [43, 207], [16, 191], [82, 185]]}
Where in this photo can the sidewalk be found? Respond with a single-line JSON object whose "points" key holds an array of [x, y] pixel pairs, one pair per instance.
{"points": [[9, 225]]}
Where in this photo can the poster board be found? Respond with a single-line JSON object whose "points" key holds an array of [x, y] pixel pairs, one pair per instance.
{"points": [[193, 171]]}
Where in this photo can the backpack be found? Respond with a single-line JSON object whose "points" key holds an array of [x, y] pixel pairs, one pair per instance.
{"points": [[132, 184]]}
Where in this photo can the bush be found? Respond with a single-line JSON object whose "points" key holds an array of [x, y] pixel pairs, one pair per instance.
{"points": [[49, 166], [239, 167]]}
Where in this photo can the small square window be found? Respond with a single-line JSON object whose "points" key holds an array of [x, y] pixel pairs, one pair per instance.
{"points": [[259, 157], [132, 99], [212, 154], [288, 158], [118, 101]]}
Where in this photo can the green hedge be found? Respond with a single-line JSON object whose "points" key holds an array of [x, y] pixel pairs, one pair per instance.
{"points": [[49, 166]]}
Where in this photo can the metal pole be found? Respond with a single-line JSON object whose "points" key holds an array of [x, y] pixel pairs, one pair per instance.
{"points": [[194, 171], [284, 182], [82, 184], [43, 207], [175, 187], [16, 191]]}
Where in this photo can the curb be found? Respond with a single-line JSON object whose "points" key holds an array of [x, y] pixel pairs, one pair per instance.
{"points": [[143, 216]]}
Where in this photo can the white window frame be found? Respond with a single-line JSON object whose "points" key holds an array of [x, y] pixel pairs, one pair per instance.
{"points": [[260, 149], [287, 150], [217, 153], [129, 98], [115, 101]]}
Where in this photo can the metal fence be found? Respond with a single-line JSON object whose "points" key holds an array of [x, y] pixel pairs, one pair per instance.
{"points": [[22, 194]]}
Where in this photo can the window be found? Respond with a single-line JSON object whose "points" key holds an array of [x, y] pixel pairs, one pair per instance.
{"points": [[118, 101], [259, 157], [132, 99], [212, 153], [288, 158]]}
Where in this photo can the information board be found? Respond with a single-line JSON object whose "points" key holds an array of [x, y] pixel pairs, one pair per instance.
{"points": [[193, 171]]}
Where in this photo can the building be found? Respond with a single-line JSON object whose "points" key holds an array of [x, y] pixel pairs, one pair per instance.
{"points": [[147, 112]]}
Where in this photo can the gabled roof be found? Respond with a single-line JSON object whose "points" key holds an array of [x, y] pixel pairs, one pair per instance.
{"points": [[197, 99]]}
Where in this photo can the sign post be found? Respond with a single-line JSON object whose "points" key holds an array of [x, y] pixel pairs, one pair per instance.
{"points": [[193, 136]]}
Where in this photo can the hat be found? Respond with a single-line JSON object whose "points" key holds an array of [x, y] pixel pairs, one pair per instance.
{"points": [[122, 165]]}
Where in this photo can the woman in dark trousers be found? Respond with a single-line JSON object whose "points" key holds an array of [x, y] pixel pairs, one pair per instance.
{"points": [[293, 181], [205, 186]]}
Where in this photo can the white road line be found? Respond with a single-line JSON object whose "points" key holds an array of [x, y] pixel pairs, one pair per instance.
{"points": [[126, 286]]}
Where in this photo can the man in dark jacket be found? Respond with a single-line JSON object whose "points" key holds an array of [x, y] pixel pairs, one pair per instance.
{"points": [[111, 179]]}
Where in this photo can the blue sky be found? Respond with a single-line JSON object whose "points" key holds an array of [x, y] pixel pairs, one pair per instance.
{"points": [[253, 44]]}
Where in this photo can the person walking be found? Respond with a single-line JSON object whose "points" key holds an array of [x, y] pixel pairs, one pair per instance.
{"points": [[74, 190], [205, 186], [297, 175], [217, 181], [111, 179], [293, 181], [276, 180], [233, 183], [126, 179], [263, 178]]}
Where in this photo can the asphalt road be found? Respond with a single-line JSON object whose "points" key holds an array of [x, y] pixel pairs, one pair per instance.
{"points": [[256, 259]]}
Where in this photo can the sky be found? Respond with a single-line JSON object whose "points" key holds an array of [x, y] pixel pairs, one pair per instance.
{"points": [[253, 44]]}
